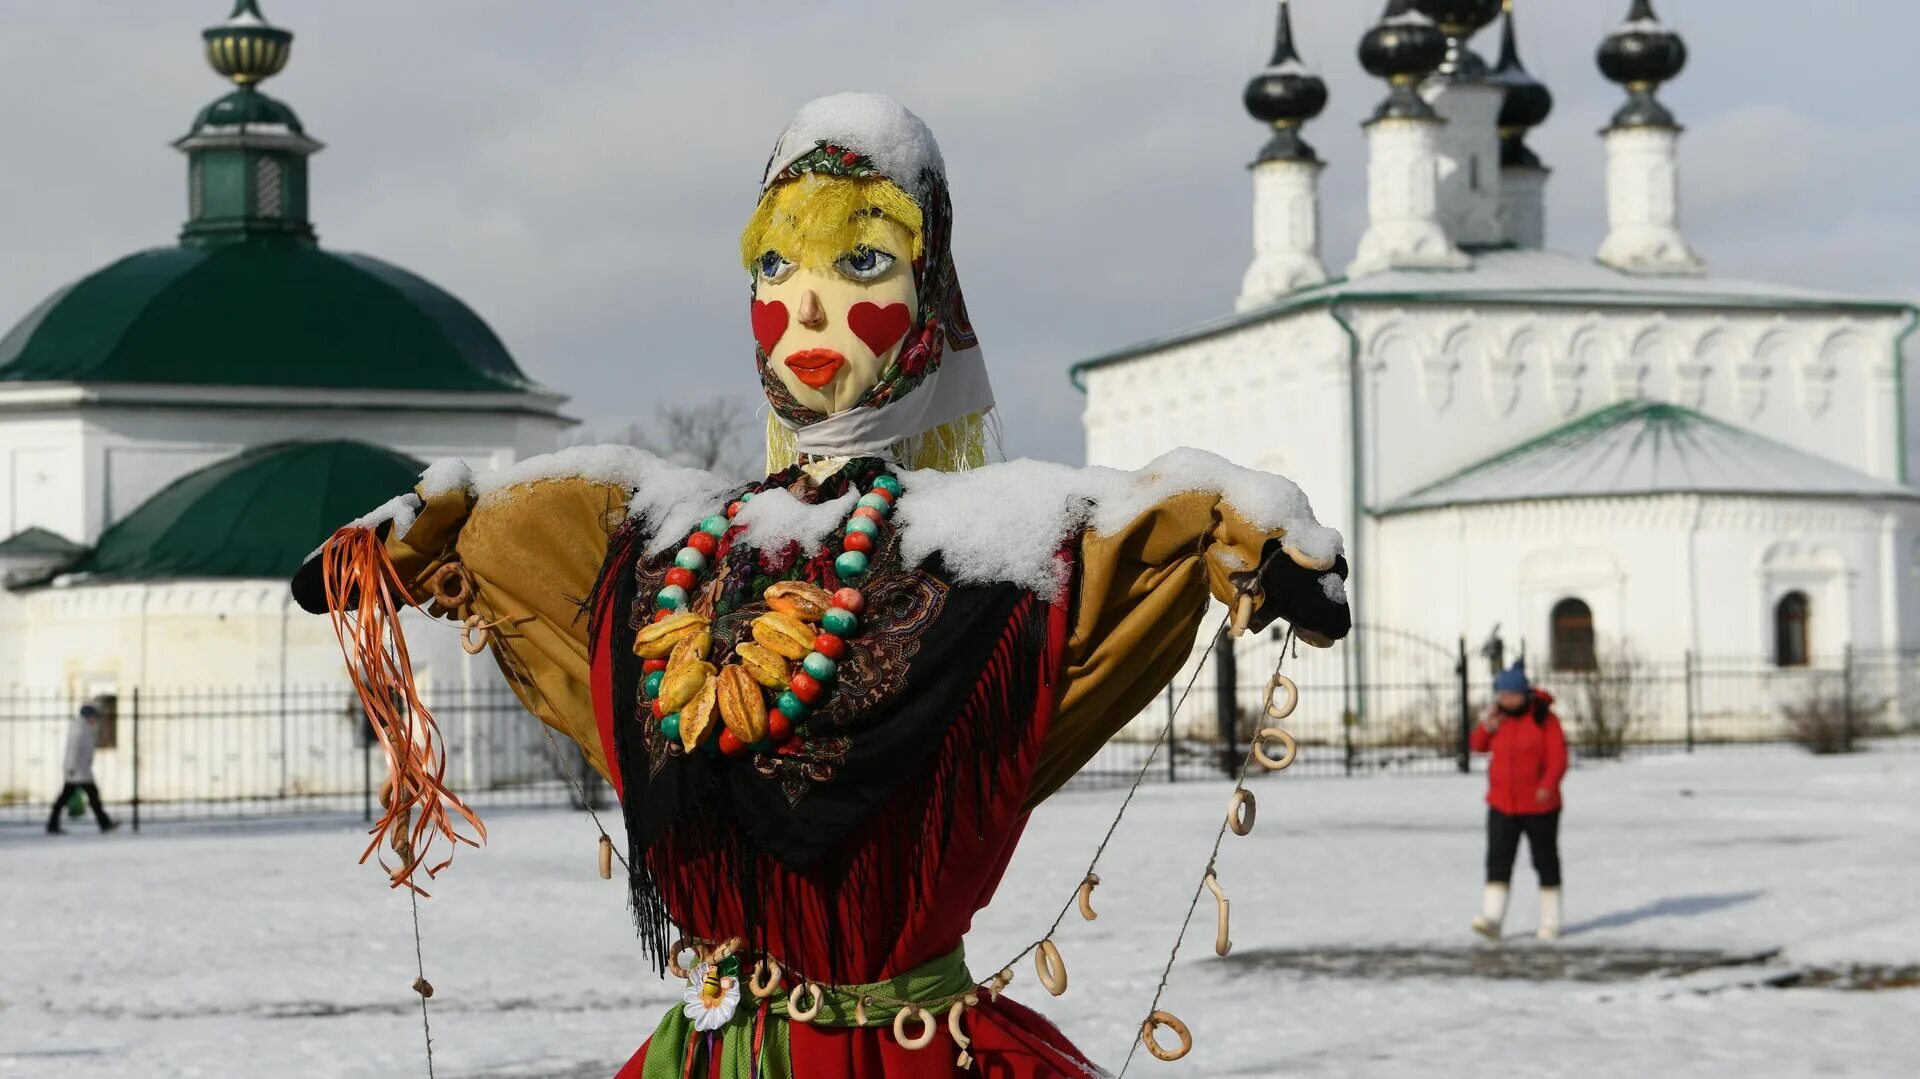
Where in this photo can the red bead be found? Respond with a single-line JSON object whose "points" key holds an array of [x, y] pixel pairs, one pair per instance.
{"points": [[664, 613], [730, 745], [830, 646], [682, 577], [858, 541], [779, 727], [704, 542], [870, 514], [733, 509], [658, 712], [850, 599], [883, 493], [653, 665], [806, 687]]}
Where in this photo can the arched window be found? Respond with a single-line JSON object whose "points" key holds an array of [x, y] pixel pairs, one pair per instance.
{"points": [[1573, 636], [1790, 630], [266, 187]]}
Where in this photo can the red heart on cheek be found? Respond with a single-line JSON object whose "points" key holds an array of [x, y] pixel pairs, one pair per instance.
{"points": [[769, 323], [880, 327]]}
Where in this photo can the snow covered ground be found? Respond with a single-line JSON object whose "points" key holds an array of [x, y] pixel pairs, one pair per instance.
{"points": [[266, 951]]}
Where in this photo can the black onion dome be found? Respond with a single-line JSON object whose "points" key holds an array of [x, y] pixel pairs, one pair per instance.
{"points": [[1402, 48], [1528, 102], [1286, 95], [1459, 20], [1640, 54]]}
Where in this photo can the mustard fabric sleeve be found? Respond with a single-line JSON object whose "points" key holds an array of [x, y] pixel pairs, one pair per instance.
{"points": [[1139, 602], [533, 552]]}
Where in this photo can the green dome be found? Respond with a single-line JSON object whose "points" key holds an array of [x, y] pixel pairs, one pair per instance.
{"points": [[259, 314], [255, 515], [247, 106]]}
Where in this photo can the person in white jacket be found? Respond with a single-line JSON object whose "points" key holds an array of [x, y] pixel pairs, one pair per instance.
{"points": [[80, 744]]}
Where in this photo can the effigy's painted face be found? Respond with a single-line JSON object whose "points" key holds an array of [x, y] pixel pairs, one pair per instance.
{"points": [[833, 296]]}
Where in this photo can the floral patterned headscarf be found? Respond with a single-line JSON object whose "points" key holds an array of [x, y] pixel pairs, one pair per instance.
{"points": [[868, 136]]}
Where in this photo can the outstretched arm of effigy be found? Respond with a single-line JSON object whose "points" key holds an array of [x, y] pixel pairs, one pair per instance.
{"points": [[1140, 600], [515, 566]]}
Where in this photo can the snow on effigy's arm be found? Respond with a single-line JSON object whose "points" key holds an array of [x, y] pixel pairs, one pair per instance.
{"points": [[1006, 522], [775, 518], [670, 500], [400, 511]]}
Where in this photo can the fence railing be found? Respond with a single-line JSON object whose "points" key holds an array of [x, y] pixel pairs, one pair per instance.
{"points": [[238, 752]]}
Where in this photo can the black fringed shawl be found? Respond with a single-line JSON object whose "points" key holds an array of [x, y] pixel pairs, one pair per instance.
{"points": [[941, 681]]}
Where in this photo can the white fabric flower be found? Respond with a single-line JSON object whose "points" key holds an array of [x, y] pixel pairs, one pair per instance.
{"points": [[711, 999]]}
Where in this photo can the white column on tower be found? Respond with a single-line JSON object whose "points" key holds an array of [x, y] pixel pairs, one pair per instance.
{"points": [[1403, 203], [1469, 158], [1286, 232], [1643, 203]]}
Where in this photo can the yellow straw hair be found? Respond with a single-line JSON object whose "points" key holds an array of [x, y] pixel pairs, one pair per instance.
{"points": [[951, 447], [815, 220]]}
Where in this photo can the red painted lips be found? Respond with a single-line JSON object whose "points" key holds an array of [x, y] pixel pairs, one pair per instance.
{"points": [[815, 366]]}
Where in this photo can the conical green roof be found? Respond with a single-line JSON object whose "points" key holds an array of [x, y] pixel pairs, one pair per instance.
{"points": [[258, 514]]}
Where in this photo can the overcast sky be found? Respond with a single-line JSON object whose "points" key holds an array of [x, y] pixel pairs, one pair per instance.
{"points": [[579, 172]]}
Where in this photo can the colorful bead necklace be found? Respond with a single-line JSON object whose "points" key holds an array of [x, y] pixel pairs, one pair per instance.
{"points": [[807, 626]]}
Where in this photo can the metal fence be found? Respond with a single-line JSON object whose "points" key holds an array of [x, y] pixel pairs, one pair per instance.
{"points": [[1388, 702], [241, 752], [1402, 705]]}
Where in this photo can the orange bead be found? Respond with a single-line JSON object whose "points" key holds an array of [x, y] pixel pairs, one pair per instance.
{"points": [[730, 745], [779, 727], [806, 687], [858, 541], [830, 646]]}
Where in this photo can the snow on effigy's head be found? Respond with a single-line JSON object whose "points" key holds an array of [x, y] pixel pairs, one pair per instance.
{"points": [[775, 518], [445, 476], [669, 499], [898, 143], [1007, 522]]}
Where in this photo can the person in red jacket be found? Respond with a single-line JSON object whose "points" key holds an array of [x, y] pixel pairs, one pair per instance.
{"points": [[1523, 795]]}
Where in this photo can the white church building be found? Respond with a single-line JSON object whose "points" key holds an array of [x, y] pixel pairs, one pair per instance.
{"points": [[1582, 449], [179, 429]]}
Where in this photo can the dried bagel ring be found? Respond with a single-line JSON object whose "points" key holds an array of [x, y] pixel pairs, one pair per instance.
{"points": [[812, 1011], [1271, 763], [673, 957], [451, 586], [1282, 682], [1051, 968], [928, 1028], [762, 989], [1086, 896], [1240, 813], [1171, 1022]]}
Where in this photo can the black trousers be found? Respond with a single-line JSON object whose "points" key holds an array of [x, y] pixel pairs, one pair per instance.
{"points": [[1543, 844], [93, 796]]}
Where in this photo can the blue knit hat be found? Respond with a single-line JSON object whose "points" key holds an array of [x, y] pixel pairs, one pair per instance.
{"points": [[1513, 679]]}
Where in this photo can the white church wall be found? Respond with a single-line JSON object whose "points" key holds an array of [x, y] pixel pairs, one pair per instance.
{"points": [[1450, 386], [210, 660], [1272, 396], [42, 476], [132, 454]]}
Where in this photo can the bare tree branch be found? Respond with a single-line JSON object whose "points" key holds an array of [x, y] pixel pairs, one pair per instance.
{"points": [[714, 434]]}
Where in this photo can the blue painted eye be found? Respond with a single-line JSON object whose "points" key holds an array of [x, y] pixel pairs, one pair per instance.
{"points": [[864, 263], [774, 268]]}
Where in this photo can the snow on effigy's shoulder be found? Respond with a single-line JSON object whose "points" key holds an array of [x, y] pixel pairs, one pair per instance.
{"points": [[1007, 522], [445, 476], [669, 499], [775, 518]]}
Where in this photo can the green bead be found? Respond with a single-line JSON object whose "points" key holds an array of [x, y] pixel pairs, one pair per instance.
{"points": [[670, 726], [791, 705], [763, 746], [838, 620], [672, 598], [850, 564], [877, 503], [817, 665], [888, 484], [747, 497], [715, 526], [863, 524], [690, 559], [653, 683]]}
